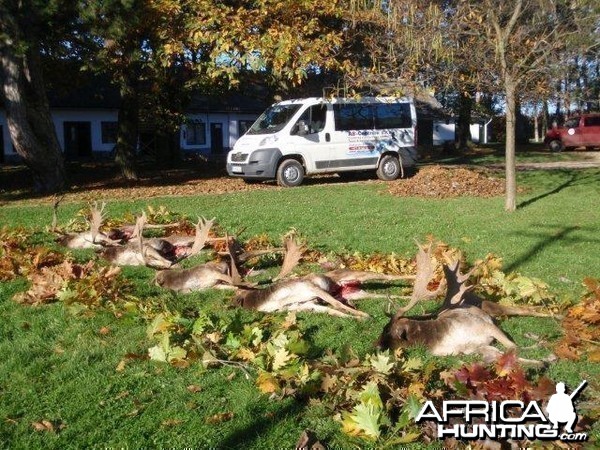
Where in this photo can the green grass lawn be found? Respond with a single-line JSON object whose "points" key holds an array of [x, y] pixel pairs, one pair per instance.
{"points": [[60, 367], [494, 154]]}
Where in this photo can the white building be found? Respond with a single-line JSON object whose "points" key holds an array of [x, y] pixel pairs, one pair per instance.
{"points": [[87, 127]]}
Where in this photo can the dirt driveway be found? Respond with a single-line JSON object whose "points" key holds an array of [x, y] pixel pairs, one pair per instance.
{"points": [[587, 160]]}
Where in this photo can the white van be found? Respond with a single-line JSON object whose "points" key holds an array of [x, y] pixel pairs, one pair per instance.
{"points": [[301, 137]]}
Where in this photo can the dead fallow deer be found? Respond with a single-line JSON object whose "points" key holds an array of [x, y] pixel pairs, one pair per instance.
{"points": [[156, 252], [205, 276], [313, 292], [347, 284], [219, 275], [94, 238], [463, 324]]}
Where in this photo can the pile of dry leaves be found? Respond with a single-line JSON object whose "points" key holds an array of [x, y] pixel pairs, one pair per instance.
{"points": [[444, 182]]}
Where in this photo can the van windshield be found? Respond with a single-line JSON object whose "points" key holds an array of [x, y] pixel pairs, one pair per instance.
{"points": [[273, 119]]}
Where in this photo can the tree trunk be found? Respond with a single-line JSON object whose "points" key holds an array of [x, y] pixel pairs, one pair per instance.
{"points": [[127, 133], [463, 128], [545, 118], [511, 179], [27, 111]]}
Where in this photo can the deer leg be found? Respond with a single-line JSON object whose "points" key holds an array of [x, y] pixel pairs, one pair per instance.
{"points": [[360, 295], [499, 335], [306, 291], [224, 286], [490, 354], [498, 310], [313, 306], [336, 304]]}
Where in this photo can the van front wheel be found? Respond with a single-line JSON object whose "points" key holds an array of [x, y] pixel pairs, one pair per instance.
{"points": [[389, 168], [556, 146], [290, 173]]}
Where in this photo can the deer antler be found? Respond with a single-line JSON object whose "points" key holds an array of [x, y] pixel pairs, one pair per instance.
{"points": [[138, 232], [55, 204], [425, 272], [202, 230], [457, 284], [236, 279], [96, 220], [293, 254]]}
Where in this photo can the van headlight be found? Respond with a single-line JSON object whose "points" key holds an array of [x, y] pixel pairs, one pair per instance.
{"points": [[268, 140]]}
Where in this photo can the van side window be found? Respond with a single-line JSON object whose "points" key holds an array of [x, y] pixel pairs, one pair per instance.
{"points": [[593, 121], [395, 115], [313, 119], [353, 116], [572, 123], [378, 116]]}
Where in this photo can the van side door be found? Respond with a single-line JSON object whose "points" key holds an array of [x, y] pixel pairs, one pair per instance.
{"points": [[571, 135], [354, 139], [309, 138]]}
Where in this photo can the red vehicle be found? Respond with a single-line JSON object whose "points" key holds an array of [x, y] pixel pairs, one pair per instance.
{"points": [[578, 131]]}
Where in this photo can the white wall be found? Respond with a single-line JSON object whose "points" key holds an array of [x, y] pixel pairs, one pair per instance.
{"points": [[60, 116], [229, 122], [475, 132], [443, 132], [96, 117]]}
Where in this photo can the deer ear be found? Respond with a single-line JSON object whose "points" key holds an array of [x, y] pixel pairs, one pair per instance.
{"points": [[403, 333]]}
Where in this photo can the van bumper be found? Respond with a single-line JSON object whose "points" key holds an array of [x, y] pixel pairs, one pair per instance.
{"points": [[260, 165]]}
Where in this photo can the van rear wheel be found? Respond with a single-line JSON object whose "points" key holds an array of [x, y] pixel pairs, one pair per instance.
{"points": [[389, 168], [290, 173]]}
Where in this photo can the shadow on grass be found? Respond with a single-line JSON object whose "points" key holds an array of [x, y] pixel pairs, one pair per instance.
{"points": [[15, 180], [574, 178], [556, 235], [261, 425]]}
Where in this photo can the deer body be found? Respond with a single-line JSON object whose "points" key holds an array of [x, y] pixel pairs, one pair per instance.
{"points": [[132, 255], [295, 295], [83, 240], [196, 278], [463, 324], [463, 330]]}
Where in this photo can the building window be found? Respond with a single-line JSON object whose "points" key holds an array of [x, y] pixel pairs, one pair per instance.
{"points": [[109, 132], [243, 126], [195, 133]]}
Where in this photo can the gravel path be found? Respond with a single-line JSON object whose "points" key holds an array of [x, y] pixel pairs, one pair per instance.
{"points": [[588, 160]]}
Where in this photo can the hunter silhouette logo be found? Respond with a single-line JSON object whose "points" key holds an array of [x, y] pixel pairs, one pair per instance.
{"points": [[508, 419], [560, 406]]}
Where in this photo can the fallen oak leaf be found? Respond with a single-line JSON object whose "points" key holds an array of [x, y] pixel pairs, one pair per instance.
{"points": [[44, 425], [171, 422], [194, 388], [506, 363], [121, 366], [48, 426], [219, 418]]}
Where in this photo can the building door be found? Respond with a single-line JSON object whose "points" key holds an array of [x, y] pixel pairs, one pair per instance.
{"points": [[78, 139], [216, 138]]}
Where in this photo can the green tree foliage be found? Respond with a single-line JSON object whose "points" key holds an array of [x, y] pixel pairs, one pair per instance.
{"points": [[158, 51]]}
